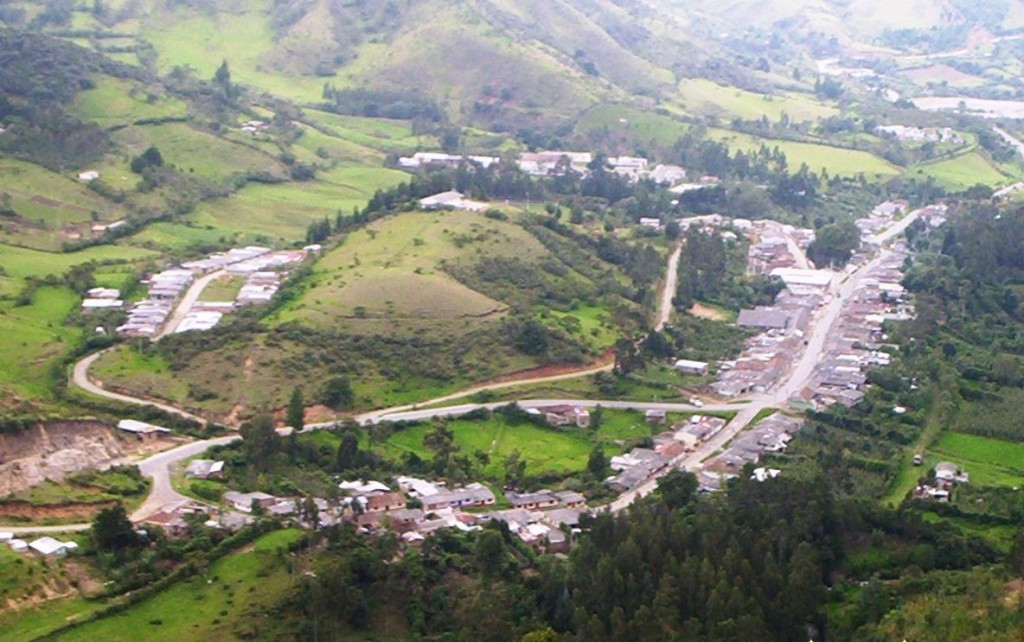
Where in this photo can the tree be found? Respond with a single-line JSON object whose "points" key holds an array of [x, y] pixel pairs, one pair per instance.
{"points": [[531, 338], [348, 452], [834, 244], [338, 393], [596, 417], [259, 441], [223, 75], [489, 552], [309, 512], [112, 531], [515, 468], [148, 159], [597, 463], [296, 410], [678, 488]]}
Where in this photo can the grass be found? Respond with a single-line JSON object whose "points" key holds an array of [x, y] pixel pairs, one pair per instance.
{"points": [[194, 151], [203, 40], [34, 336], [177, 236], [115, 101], [706, 97], [637, 125], [52, 208], [591, 324], [391, 269], [545, 450], [848, 162], [990, 462], [214, 604], [963, 171], [223, 289], [146, 374], [382, 134], [282, 213], [20, 262]]}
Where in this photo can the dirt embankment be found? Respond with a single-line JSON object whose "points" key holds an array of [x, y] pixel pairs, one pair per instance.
{"points": [[54, 450]]}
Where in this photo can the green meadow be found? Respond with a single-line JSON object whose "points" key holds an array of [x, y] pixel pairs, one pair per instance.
{"points": [[194, 151], [115, 101], [836, 160], [214, 603], [281, 213], [705, 97], [34, 336], [989, 462], [964, 171]]}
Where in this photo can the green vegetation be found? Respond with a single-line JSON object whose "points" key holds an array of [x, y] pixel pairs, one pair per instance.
{"points": [[818, 157], [115, 101], [963, 171], [706, 97], [214, 602]]}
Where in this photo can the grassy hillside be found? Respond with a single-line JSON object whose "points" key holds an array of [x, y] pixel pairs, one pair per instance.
{"points": [[409, 307]]}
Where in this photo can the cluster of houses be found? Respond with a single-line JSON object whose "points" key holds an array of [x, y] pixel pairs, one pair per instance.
{"points": [[264, 275], [920, 134], [938, 488], [452, 200], [782, 325], [668, 449], [856, 343], [414, 509], [770, 435], [147, 316], [880, 217], [554, 163], [102, 299], [44, 546], [254, 127], [770, 248]]}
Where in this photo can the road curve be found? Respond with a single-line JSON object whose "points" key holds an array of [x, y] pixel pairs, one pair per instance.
{"points": [[80, 378]]}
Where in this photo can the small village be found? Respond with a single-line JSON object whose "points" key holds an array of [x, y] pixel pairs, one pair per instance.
{"points": [[163, 310]]}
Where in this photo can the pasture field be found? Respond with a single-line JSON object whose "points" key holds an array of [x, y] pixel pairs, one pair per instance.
{"points": [[963, 171], [197, 152], [392, 269], [215, 603], [989, 462], [22, 262], [701, 96], [313, 143], [45, 202], [281, 213], [34, 336], [177, 236], [202, 41], [544, 450], [116, 101], [836, 160], [378, 133], [629, 128]]}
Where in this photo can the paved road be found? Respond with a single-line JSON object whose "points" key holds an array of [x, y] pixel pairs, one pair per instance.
{"points": [[669, 291], [158, 468], [80, 378], [185, 305]]}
